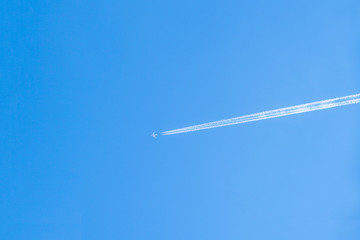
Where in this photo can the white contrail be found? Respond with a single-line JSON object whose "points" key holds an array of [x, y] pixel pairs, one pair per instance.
{"points": [[331, 103]]}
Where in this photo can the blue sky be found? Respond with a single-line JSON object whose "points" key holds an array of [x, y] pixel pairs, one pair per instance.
{"points": [[84, 84]]}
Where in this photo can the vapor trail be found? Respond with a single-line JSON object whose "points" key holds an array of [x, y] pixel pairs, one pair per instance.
{"points": [[331, 103]]}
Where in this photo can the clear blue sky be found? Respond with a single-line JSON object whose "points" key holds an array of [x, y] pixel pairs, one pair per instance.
{"points": [[83, 84]]}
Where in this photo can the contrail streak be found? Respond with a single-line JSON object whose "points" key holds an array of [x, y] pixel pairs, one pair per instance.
{"points": [[331, 103]]}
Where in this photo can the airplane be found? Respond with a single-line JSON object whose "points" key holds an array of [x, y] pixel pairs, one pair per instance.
{"points": [[154, 135]]}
